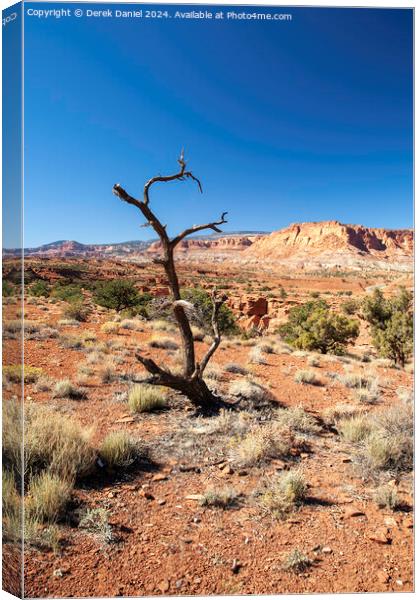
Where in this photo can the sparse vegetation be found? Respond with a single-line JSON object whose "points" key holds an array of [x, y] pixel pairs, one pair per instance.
{"points": [[66, 389], [219, 498], [146, 398], [305, 376], [296, 561], [118, 449], [284, 493], [386, 496], [96, 521]]}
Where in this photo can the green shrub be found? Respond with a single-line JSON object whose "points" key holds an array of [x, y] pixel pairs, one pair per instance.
{"points": [[67, 292], [201, 314], [118, 294], [8, 289], [77, 311], [392, 324], [39, 288], [313, 326]]}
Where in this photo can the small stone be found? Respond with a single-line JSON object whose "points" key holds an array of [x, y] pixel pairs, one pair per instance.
{"points": [[148, 495], [326, 550], [194, 497], [161, 502], [159, 477], [353, 511], [58, 573], [164, 586], [236, 565], [390, 522], [381, 536], [346, 460], [242, 473], [398, 582], [227, 470], [197, 579]]}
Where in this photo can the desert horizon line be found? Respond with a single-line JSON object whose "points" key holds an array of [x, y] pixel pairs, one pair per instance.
{"points": [[214, 235]]}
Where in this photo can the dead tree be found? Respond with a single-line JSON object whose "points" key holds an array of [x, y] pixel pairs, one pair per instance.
{"points": [[190, 382]]}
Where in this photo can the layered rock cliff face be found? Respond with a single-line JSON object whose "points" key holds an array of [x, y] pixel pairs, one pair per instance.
{"points": [[331, 242]]}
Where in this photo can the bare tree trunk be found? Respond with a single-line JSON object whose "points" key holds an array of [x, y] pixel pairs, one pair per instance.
{"points": [[191, 383]]}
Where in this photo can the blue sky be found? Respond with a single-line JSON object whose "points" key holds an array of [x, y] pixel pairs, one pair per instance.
{"points": [[283, 121]]}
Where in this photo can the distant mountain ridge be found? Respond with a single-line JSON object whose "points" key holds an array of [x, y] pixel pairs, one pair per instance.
{"points": [[324, 244]]}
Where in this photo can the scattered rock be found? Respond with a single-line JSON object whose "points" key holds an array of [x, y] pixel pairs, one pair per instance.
{"points": [[236, 565], [194, 497], [326, 550], [163, 586], [381, 536], [353, 511], [159, 477]]}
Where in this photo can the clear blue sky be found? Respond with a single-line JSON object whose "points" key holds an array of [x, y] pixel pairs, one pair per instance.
{"points": [[283, 121]]}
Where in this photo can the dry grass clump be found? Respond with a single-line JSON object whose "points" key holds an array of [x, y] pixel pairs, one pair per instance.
{"points": [[358, 380], [110, 327], [250, 390], [261, 443], [66, 389], [284, 493], [56, 443], [334, 414], [118, 449], [57, 451], [256, 356], [198, 334], [386, 496], [214, 372], [367, 395], [384, 441], [47, 496], [356, 428], [68, 323], [296, 561], [306, 376], [405, 395], [267, 347], [222, 498], [96, 521], [15, 373], [44, 384], [72, 342], [296, 419], [236, 368], [161, 325], [312, 361], [147, 398], [165, 343], [130, 324], [12, 510], [107, 373]]}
